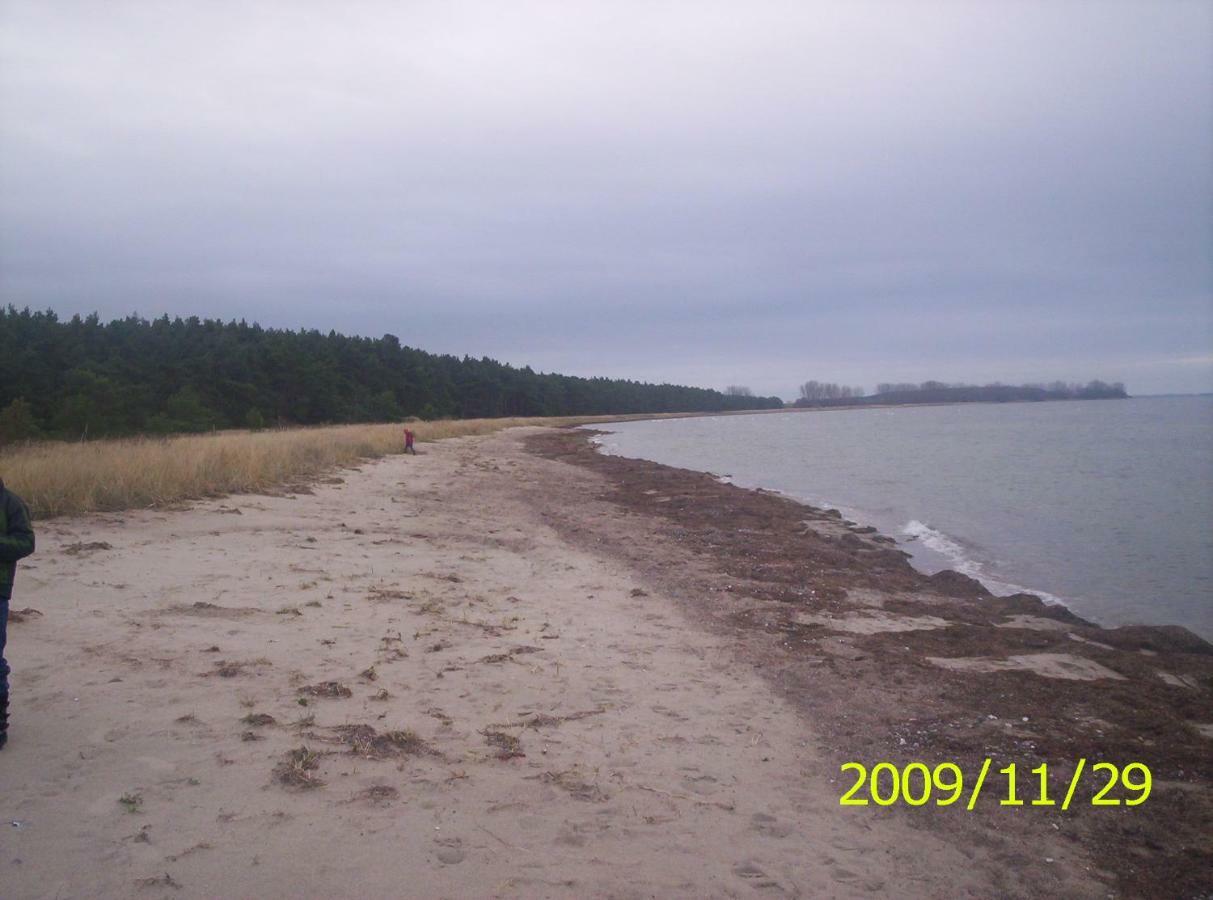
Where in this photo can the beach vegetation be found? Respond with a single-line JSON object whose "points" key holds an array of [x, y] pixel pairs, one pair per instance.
{"points": [[68, 478]]}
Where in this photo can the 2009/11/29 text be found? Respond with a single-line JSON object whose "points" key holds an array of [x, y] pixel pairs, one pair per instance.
{"points": [[916, 784]]}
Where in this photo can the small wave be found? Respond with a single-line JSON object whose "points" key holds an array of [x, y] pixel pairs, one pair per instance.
{"points": [[943, 545], [951, 549]]}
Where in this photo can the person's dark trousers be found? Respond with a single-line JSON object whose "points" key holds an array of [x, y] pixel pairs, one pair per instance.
{"points": [[3, 673]]}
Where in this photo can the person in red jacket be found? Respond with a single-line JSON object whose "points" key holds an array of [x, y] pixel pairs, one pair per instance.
{"points": [[408, 442]]}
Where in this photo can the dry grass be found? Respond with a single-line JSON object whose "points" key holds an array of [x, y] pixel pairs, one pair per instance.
{"points": [[298, 769], [364, 741], [58, 479], [61, 479], [507, 746], [331, 689]]}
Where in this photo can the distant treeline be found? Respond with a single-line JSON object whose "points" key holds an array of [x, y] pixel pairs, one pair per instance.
{"points": [[86, 378], [815, 393]]}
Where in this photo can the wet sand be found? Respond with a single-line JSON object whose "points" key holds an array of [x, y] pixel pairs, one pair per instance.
{"points": [[522, 669]]}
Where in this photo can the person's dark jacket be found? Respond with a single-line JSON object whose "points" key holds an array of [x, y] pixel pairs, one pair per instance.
{"points": [[16, 538]]}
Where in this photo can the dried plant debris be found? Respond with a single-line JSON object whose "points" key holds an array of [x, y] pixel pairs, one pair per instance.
{"points": [[364, 741], [24, 615], [577, 788], [432, 607], [260, 720], [382, 695], [386, 595], [298, 769], [378, 795], [543, 720], [509, 654], [507, 746], [86, 547], [133, 801], [369, 674], [165, 880], [290, 611], [206, 609], [225, 668], [435, 713], [189, 851], [332, 689]]}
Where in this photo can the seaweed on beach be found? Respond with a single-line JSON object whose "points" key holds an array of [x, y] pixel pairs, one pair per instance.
{"points": [[207, 609], [574, 785], [226, 668], [377, 795], [386, 595], [364, 741], [507, 745], [23, 615], [298, 769], [509, 655], [165, 880], [86, 547], [543, 720], [790, 584], [330, 689]]}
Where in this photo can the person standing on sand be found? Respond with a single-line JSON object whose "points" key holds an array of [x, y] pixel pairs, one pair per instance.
{"points": [[16, 542], [408, 441]]}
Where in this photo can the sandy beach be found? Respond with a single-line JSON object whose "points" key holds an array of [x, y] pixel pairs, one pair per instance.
{"points": [[511, 667]]}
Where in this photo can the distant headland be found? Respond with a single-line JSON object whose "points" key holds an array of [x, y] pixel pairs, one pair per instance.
{"points": [[817, 393]]}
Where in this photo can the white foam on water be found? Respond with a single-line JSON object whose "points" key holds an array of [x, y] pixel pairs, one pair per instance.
{"points": [[951, 549], [943, 545], [918, 533]]}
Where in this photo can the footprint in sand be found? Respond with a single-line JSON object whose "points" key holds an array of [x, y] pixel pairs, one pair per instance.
{"points": [[753, 873], [769, 826], [450, 851]]}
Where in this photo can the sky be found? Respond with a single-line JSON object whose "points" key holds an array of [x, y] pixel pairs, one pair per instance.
{"points": [[708, 193]]}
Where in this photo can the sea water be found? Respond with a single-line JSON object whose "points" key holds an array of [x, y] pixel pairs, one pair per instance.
{"points": [[1104, 505]]}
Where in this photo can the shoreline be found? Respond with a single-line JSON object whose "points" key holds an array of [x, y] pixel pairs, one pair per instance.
{"points": [[860, 520], [1117, 550], [945, 669], [520, 667]]}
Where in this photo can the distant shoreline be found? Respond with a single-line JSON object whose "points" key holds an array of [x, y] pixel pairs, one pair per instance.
{"points": [[642, 417]]}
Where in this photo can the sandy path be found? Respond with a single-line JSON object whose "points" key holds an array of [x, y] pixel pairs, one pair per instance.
{"points": [[667, 768]]}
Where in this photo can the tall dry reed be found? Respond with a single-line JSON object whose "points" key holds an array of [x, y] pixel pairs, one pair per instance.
{"points": [[58, 479]]}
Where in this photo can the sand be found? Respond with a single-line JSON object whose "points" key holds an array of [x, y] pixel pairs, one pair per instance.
{"points": [[494, 702]]}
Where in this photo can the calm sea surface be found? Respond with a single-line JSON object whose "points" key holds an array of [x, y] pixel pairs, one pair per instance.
{"points": [[1104, 505]]}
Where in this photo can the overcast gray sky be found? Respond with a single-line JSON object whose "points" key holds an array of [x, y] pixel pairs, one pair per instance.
{"points": [[708, 193]]}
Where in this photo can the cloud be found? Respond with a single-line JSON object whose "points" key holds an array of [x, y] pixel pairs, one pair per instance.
{"points": [[672, 190]]}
